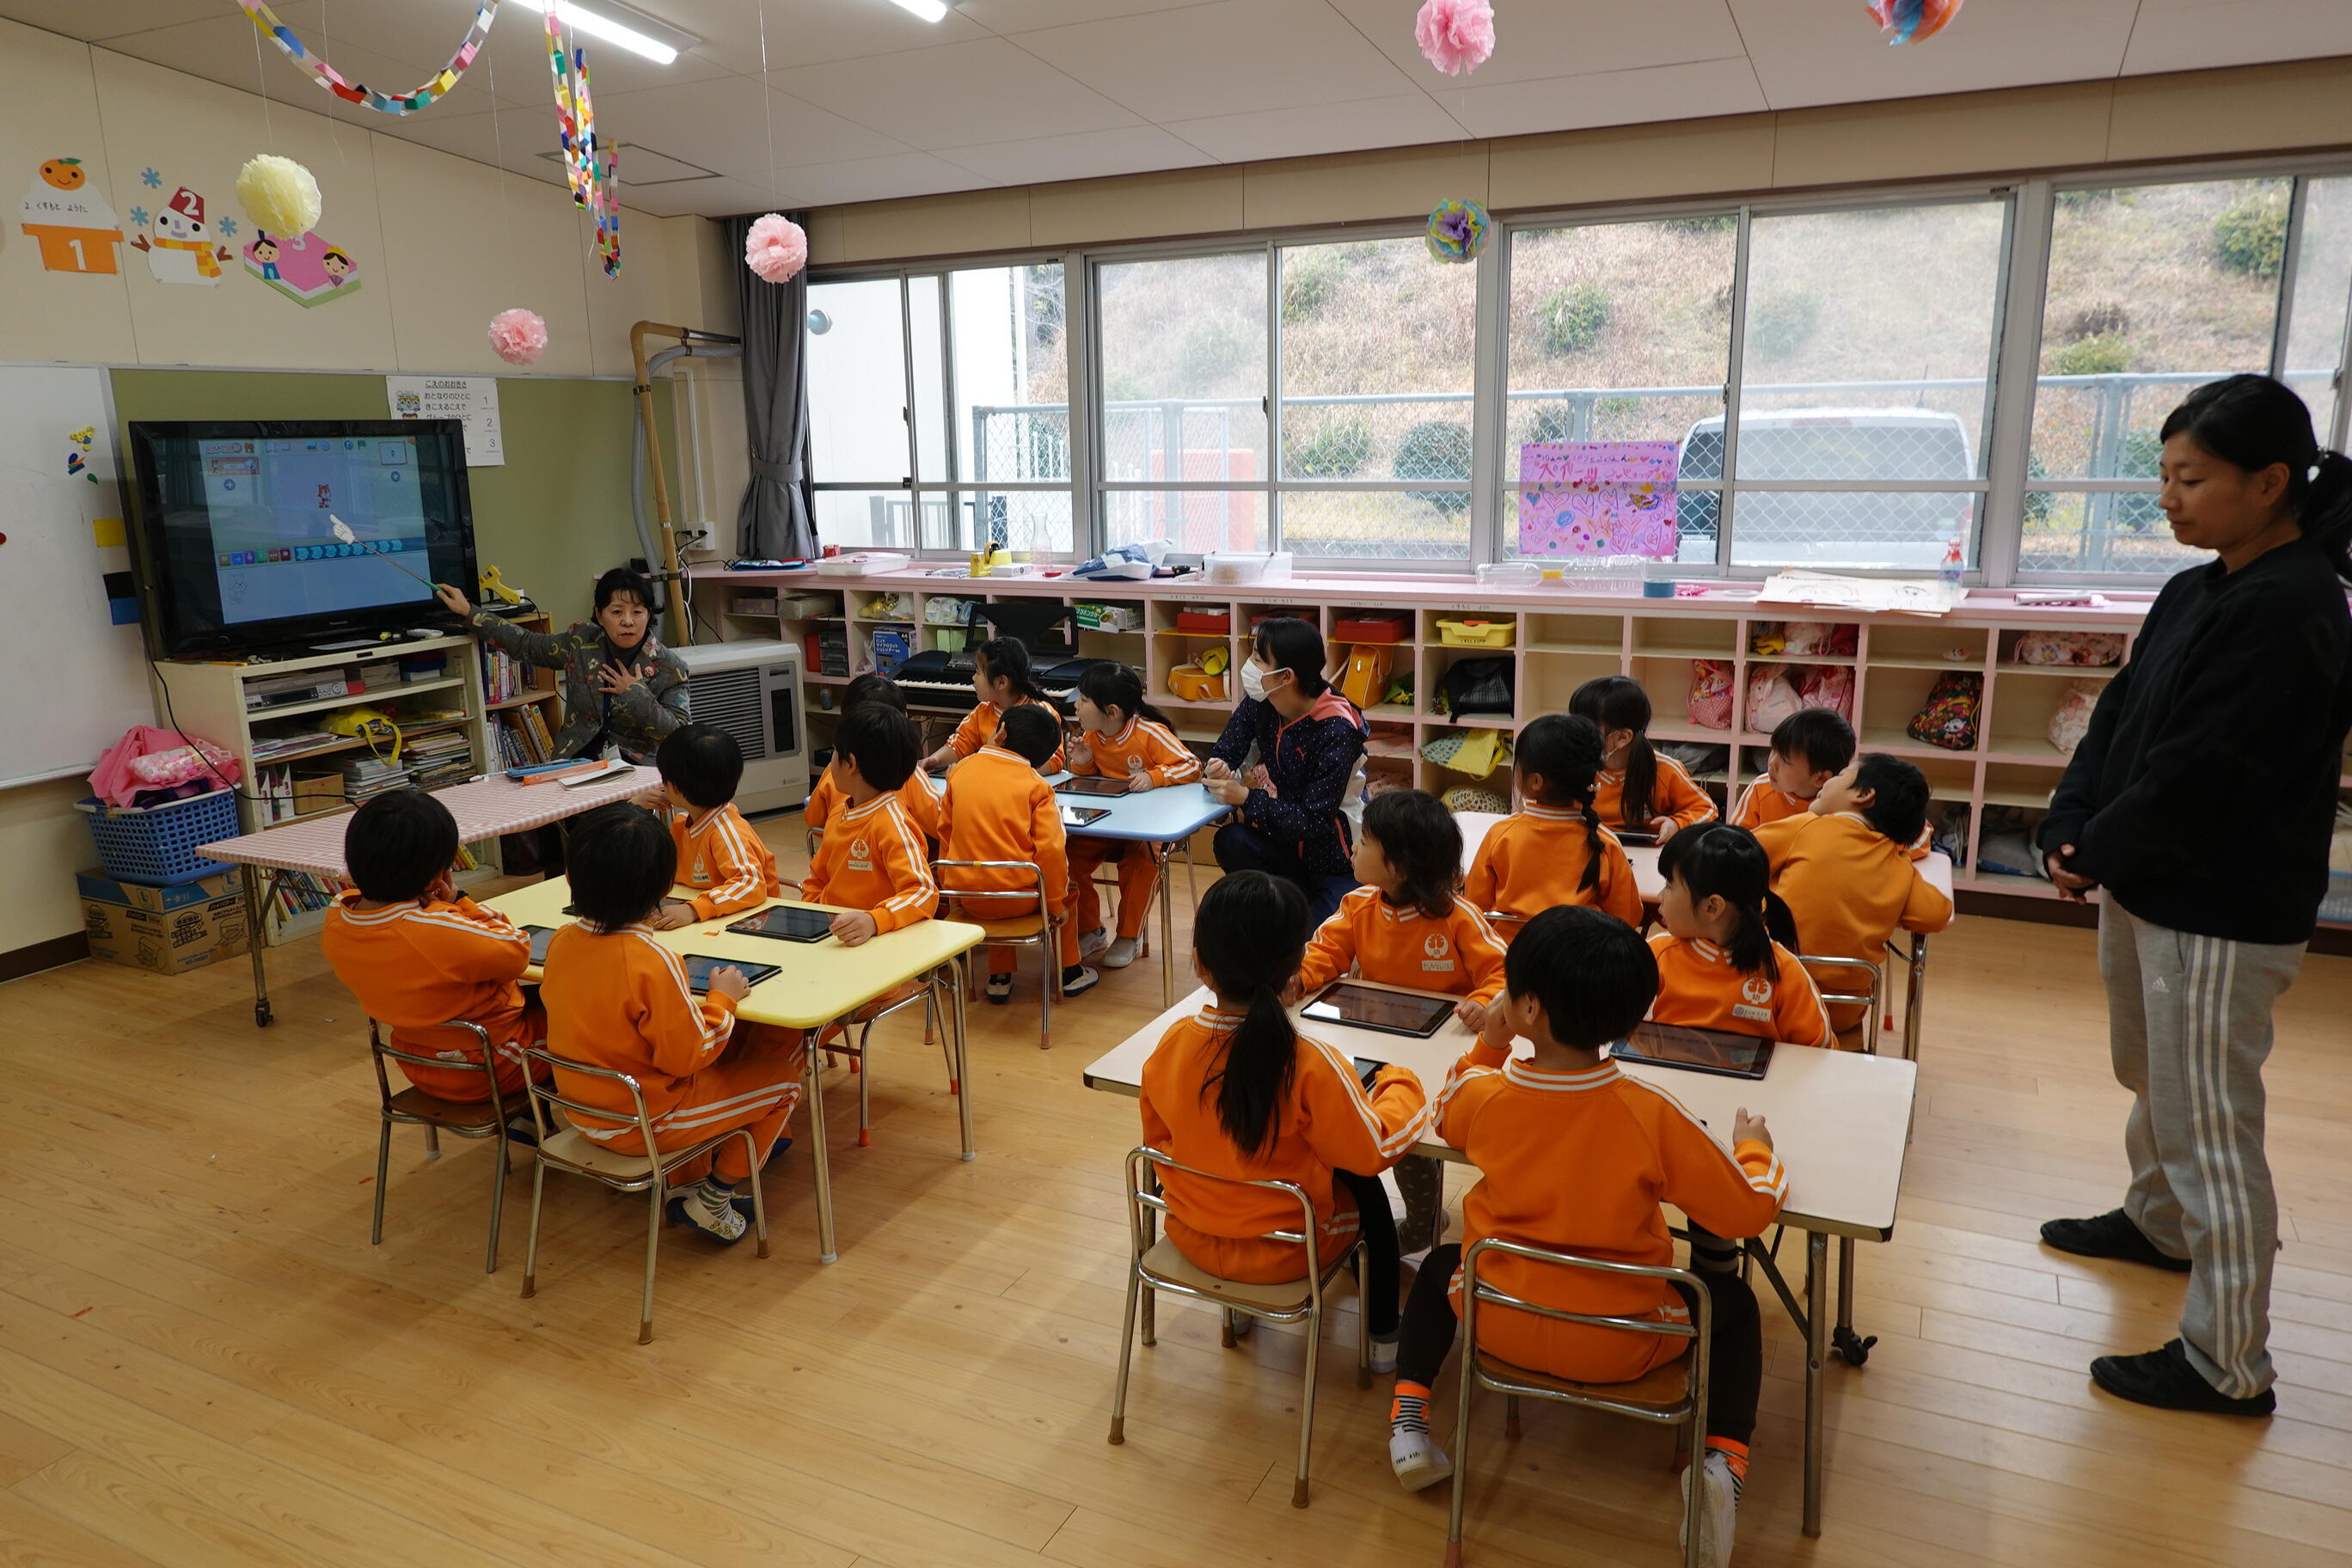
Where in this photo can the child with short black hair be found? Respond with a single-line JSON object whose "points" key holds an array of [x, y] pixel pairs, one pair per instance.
{"points": [[1640, 791], [998, 808], [1001, 680], [919, 795], [1727, 958], [873, 861], [1577, 1156], [1846, 870], [726, 867], [1810, 747], [1553, 849], [619, 999], [418, 953]]}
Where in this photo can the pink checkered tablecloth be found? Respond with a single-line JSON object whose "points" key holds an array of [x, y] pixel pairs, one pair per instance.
{"points": [[486, 808]]}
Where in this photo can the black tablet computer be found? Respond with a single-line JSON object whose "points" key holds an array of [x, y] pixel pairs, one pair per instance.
{"points": [[1698, 1050], [1367, 1069], [786, 922], [1090, 784], [699, 965], [1390, 1011], [540, 937], [1082, 815], [1635, 838]]}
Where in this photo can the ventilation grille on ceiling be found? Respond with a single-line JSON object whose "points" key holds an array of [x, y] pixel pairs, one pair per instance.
{"points": [[732, 700]]}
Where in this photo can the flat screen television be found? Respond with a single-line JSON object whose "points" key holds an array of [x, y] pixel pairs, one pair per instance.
{"points": [[236, 547]]}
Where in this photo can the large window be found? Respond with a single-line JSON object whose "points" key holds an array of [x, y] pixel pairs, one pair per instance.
{"points": [[1928, 381]]}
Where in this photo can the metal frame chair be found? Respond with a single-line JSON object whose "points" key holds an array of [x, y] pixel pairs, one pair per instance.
{"points": [[839, 1045], [1856, 1347], [1039, 928], [413, 1107], [573, 1152], [1687, 1408], [1161, 1267], [1872, 998], [1914, 994]]}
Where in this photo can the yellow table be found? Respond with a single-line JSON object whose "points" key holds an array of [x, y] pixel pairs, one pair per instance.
{"points": [[821, 984]]}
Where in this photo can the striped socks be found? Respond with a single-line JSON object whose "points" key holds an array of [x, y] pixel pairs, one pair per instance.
{"points": [[1735, 1459], [1409, 1413]]}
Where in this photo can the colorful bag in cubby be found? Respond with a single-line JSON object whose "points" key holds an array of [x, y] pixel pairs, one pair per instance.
{"points": [[1948, 718], [2087, 650], [2072, 720], [1709, 702]]}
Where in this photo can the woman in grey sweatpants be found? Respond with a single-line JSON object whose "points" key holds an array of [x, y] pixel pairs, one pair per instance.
{"points": [[2203, 801]]}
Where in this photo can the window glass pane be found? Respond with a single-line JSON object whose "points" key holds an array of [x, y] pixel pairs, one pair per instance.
{"points": [[858, 520], [1190, 520], [1907, 528], [1376, 373], [857, 382], [1183, 368], [2323, 284], [1034, 521], [1012, 373], [2074, 532], [1622, 332], [929, 354]]}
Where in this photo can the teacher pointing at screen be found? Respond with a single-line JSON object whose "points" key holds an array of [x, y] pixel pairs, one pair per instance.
{"points": [[1308, 740], [2203, 800]]}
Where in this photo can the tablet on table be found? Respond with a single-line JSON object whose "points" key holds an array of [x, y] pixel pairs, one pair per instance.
{"points": [[786, 922], [1391, 1012], [1694, 1050]]}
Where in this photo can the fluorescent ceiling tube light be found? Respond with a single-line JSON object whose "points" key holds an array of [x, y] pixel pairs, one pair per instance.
{"points": [[586, 21], [929, 10]]}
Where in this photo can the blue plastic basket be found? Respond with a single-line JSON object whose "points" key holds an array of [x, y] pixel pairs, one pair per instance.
{"points": [[2338, 905], [157, 844]]}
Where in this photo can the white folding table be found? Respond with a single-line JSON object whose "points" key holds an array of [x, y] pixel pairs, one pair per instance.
{"points": [[1158, 819]]}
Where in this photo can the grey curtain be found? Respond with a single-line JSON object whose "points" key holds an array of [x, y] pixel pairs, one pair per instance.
{"points": [[774, 521]]}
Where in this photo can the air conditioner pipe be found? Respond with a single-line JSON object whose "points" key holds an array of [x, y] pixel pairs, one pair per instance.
{"points": [[668, 581]]}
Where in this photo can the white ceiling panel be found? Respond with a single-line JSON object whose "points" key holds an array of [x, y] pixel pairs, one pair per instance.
{"points": [[1607, 98], [1405, 119], [1007, 16], [223, 50], [1130, 150], [1559, 37], [703, 196], [908, 175], [511, 139], [2193, 35], [109, 18], [807, 32], [1835, 54], [1222, 58], [959, 95], [726, 126]]}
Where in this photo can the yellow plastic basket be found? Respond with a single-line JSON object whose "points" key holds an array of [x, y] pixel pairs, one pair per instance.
{"points": [[1478, 634]]}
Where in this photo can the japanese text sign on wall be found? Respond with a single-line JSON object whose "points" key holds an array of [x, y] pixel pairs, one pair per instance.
{"points": [[1597, 498]]}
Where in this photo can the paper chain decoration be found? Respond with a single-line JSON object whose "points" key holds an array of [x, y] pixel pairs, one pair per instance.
{"points": [[592, 167], [366, 96]]}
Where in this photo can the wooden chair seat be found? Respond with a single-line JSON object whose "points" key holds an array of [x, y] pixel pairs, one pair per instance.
{"points": [[1662, 1388], [1166, 1262], [575, 1148], [457, 1115], [1021, 928]]}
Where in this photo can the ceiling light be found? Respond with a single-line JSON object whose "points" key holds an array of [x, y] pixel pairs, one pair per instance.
{"points": [[611, 32], [929, 10]]}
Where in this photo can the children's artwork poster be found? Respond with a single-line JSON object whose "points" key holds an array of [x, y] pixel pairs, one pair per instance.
{"points": [[471, 398], [304, 268], [179, 246], [1598, 498], [68, 218]]}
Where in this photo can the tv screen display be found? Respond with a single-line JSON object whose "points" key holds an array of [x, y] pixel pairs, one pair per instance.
{"points": [[238, 545]]}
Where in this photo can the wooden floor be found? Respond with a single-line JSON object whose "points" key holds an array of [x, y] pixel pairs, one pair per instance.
{"points": [[203, 1362]]}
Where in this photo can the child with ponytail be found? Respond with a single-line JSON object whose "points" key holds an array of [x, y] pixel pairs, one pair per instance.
{"points": [[1236, 1091], [1122, 736], [1001, 680], [1639, 790], [1553, 849], [1727, 957]]}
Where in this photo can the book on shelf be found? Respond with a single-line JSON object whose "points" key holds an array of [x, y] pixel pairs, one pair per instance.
{"points": [[297, 893], [535, 726]]}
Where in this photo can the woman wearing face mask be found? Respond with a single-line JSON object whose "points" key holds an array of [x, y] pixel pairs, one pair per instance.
{"points": [[1308, 740]]}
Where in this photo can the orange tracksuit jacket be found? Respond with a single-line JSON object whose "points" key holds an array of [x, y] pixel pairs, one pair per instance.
{"points": [[919, 798], [1763, 802], [1672, 793], [1327, 1121], [874, 859], [1849, 887], [1535, 859], [1697, 986], [1156, 752], [1580, 1161], [1457, 953], [998, 808], [979, 726], [727, 865], [414, 966]]}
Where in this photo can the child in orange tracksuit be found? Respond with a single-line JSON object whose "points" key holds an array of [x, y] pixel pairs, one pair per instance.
{"points": [[1845, 872], [918, 797], [1810, 747], [724, 865], [1576, 1156], [417, 954], [619, 999], [1553, 850], [1002, 681], [1640, 791], [999, 808], [1236, 1091], [873, 862], [1727, 959], [1122, 737]]}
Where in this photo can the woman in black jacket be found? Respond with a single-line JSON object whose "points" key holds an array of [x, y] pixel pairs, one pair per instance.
{"points": [[2203, 800]]}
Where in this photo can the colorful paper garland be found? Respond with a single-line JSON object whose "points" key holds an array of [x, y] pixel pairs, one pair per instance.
{"points": [[1912, 21], [366, 96], [593, 169], [1457, 231]]}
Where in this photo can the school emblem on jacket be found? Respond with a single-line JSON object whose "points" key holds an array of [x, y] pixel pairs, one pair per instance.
{"points": [[701, 872], [861, 856], [1133, 761], [1436, 952], [1755, 999]]}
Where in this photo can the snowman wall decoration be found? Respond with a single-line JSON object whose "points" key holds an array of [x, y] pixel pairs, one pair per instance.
{"points": [[182, 249]]}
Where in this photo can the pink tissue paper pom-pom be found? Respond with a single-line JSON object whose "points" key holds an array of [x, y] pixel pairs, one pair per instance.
{"points": [[1456, 35], [775, 248], [520, 336]]}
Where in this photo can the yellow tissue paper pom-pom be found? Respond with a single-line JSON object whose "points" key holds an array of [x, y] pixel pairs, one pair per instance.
{"points": [[279, 195]]}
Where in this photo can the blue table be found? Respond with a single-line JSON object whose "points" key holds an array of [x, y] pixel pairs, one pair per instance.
{"points": [[1159, 819]]}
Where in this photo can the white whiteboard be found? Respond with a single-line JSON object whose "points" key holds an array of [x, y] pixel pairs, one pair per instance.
{"points": [[70, 681]]}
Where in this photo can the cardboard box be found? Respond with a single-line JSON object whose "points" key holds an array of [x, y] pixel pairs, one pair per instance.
{"points": [[1108, 618], [167, 931]]}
